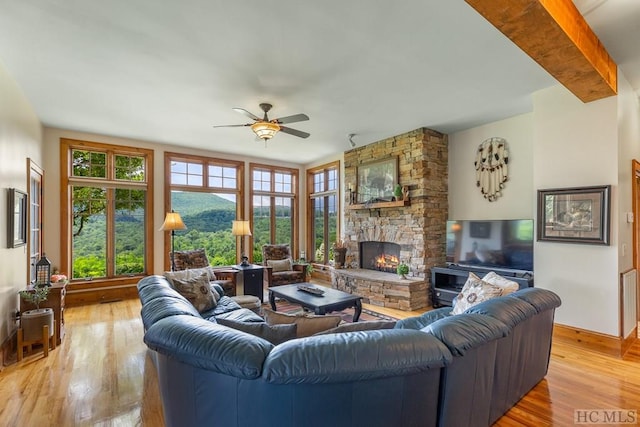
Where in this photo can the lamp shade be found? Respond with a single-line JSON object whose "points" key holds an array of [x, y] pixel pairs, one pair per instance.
{"points": [[265, 130], [172, 222], [241, 228]]}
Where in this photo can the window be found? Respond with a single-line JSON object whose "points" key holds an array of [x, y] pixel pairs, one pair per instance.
{"points": [[106, 232], [323, 185], [35, 217], [207, 193], [273, 207]]}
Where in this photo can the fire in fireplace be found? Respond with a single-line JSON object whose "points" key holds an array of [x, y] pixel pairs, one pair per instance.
{"points": [[380, 256]]}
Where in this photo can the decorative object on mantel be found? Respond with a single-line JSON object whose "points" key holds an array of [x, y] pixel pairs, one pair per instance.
{"points": [[402, 270], [397, 192], [491, 167]]}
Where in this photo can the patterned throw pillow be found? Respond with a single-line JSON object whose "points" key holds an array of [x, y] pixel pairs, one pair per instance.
{"points": [[275, 334], [190, 274], [197, 290], [508, 286], [474, 292], [280, 264], [307, 324]]}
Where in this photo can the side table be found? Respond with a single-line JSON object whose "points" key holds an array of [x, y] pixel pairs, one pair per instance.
{"points": [[252, 278], [55, 301]]}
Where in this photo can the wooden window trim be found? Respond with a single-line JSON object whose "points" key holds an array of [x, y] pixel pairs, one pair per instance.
{"points": [[294, 195], [66, 180], [309, 202], [204, 188]]}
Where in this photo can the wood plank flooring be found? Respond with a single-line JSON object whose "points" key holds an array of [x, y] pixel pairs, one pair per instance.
{"points": [[101, 376]]}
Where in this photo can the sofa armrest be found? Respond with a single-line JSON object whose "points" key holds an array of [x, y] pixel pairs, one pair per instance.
{"points": [[207, 345], [355, 356], [299, 267]]}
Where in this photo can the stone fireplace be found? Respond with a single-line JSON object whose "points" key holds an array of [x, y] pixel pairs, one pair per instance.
{"points": [[416, 227]]}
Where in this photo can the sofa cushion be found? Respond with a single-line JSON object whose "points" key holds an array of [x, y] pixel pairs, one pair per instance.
{"points": [[307, 324], [197, 290], [240, 315], [275, 334], [360, 326], [474, 292], [280, 264], [508, 286]]}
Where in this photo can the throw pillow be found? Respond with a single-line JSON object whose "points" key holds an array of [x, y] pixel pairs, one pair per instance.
{"points": [[275, 334], [190, 274], [508, 286], [197, 290], [360, 326], [474, 292], [307, 324], [280, 264]]}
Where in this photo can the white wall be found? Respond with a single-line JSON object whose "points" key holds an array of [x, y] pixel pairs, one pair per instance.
{"points": [[562, 143], [20, 138], [465, 199], [52, 184], [576, 145]]}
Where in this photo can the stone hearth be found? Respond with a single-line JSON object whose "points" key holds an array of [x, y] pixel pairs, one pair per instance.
{"points": [[382, 289]]}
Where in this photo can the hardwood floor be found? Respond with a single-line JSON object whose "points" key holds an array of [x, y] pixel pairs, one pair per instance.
{"points": [[101, 375]]}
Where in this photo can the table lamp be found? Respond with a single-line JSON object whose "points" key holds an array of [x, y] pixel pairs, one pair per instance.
{"points": [[241, 228]]}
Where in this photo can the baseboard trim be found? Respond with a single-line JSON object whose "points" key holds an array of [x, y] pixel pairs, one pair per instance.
{"points": [[593, 341]]}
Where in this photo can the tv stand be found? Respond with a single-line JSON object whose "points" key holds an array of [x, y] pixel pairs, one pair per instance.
{"points": [[447, 282]]}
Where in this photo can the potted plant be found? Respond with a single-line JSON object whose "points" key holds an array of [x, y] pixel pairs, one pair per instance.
{"points": [[32, 321], [402, 270]]}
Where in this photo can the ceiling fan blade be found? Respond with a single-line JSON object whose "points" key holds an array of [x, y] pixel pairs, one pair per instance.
{"points": [[232, 126], [292, 119], [246, 113], [294, 132]]}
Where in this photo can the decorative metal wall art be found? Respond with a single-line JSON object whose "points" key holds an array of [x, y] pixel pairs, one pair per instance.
{"points": [[491, 167]]}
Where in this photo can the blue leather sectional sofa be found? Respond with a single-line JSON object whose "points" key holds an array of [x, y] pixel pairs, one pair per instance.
{"points": [[435, 369]]}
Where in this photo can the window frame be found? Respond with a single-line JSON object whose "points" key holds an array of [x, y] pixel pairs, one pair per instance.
{"points": [[206, 162], [310, 196], [67, 181], [294, 195], [34, 217]]}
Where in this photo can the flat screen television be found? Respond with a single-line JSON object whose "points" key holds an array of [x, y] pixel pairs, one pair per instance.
{"points": [[492, 244]]}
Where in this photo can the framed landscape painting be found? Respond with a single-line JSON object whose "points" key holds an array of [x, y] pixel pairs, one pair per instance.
{"points": [[376, 180], [575, 215]]}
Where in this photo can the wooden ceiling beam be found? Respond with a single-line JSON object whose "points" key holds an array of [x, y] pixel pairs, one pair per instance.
{"points": [[555, 35]]}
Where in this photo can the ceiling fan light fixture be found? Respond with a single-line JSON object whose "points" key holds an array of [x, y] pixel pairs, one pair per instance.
{"points": [[265, 130]]}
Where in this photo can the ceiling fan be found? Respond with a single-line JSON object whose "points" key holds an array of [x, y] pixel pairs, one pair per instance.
{"points": [[265, 129]]}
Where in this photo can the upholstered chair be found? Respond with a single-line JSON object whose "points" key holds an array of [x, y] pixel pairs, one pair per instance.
{"points": [[281, 270], [197, 258]]}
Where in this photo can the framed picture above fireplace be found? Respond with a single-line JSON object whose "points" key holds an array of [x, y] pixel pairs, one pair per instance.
{"points": [[376, 180]]}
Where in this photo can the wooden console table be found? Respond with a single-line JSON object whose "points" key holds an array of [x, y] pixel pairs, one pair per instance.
{"points": [[55, 301]]}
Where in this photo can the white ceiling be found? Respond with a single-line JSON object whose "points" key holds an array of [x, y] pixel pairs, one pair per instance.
{"points": [[167, 71]]}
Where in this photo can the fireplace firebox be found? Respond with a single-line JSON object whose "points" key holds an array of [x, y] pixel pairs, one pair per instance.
{"points": [[379, 256]]}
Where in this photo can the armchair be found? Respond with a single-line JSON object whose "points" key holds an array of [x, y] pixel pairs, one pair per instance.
{"points": [[281, 270], [197, 258]]}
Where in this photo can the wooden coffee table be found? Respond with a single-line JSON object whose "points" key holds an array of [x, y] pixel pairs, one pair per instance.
{"points": [[330, 300]]}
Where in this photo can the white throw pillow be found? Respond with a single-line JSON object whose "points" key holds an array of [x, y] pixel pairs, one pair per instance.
{"points": [[280, 264], [474, 292], [508, 286]]}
